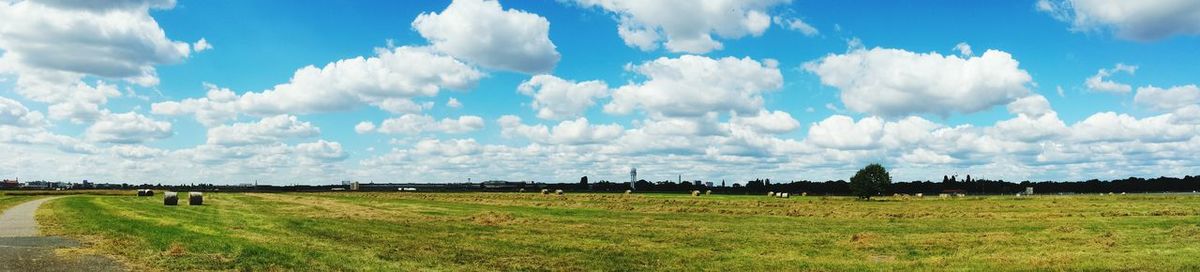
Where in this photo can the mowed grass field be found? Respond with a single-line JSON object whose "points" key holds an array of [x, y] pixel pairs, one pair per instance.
{"points": [[614, 232], [7, 201]]}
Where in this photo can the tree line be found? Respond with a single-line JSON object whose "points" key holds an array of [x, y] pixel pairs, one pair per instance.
{"points": [[949, 184]]}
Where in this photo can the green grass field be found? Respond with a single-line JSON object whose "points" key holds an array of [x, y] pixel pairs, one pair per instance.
{"points": [[511, 231], [7, 201]]}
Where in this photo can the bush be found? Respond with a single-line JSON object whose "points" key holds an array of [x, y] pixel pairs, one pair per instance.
{"points": [[870, 181]]}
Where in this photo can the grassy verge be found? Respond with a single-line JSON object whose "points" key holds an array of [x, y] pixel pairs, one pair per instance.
{"points": [[12, 200], [508, 231]]}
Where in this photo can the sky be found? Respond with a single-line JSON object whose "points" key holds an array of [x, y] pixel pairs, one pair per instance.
{"points": [[283, 92]]}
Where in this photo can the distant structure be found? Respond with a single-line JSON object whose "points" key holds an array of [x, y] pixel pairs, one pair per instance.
{"points": [[1028, 190], [633, 178], [680, 180], [10, 183]]}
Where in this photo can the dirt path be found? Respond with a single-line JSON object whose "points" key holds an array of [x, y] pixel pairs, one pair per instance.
{"points": [[23, 250], [20, 220]]}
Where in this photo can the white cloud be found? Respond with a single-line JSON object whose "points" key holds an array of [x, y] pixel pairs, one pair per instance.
{"points": [[569, 132], [1167, 99], [767, 122], [127, 128], [795, 24], [450, 148], [416, 124], [555, 98], [894, 82], [322, 150], [453, 103], [964, 49], [215, 108], [842, 132], [691, 86], [364, 127], [1099, 82], [107, 39], [388, 81], [267, 130], [137, 152], [685, 25], [12, 113], [1133, 20], [1033, 105], [482, 32], [343, 84], [201, 45], [1114, 127]]}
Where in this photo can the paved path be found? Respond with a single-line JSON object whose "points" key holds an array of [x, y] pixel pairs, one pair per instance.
{"points": [[20, 221], [21, 249]]}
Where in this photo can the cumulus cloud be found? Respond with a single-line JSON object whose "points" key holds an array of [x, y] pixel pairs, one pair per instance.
{"points": [[113, 39], [1100, 83], [416, 124], [1167, 99], [482, 32], [127, 128], [684, 25], [13, 113], [691, 86], [1133, 20], [842, 132], [895, 82], [364, 127], [136, 152], [322, 150], [767, 121], [388, 80], [569, 132], [267, 130], [453, 103], [216, 107], [343, 84], [201, 45], [557, 99]]}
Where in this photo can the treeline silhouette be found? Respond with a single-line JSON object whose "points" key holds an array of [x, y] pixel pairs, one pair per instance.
{"points": [[948, 184]]}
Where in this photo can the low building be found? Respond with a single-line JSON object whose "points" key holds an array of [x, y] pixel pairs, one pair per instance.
{"points": [[10, 183]]}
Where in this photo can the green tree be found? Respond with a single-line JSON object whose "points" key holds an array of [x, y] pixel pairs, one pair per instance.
{"points": [[870, 181]]}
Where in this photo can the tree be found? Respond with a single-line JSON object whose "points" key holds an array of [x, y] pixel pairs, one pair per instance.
{"points": [[870, 181], [583, 180]]}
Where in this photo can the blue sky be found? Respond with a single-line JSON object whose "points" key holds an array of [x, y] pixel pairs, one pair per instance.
{"points": [[553, 90]]}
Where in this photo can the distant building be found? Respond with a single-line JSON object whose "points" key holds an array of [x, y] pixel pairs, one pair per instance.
{"points": [[1028, 190], [708, 184], [697, 183], [10, 183]]}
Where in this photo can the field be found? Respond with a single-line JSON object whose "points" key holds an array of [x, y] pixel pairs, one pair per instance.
{"points": [[12, 200], [523, 231]]}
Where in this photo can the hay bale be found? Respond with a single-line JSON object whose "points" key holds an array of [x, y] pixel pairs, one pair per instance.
{"points": [[707, 192], [770, 193], [628, 192], [785, 195], [920, 195], [558, 192], [145, 192], [170, 199], [195, 199], [522, 190], [695, 193], [804, 194], [545, 191]]}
